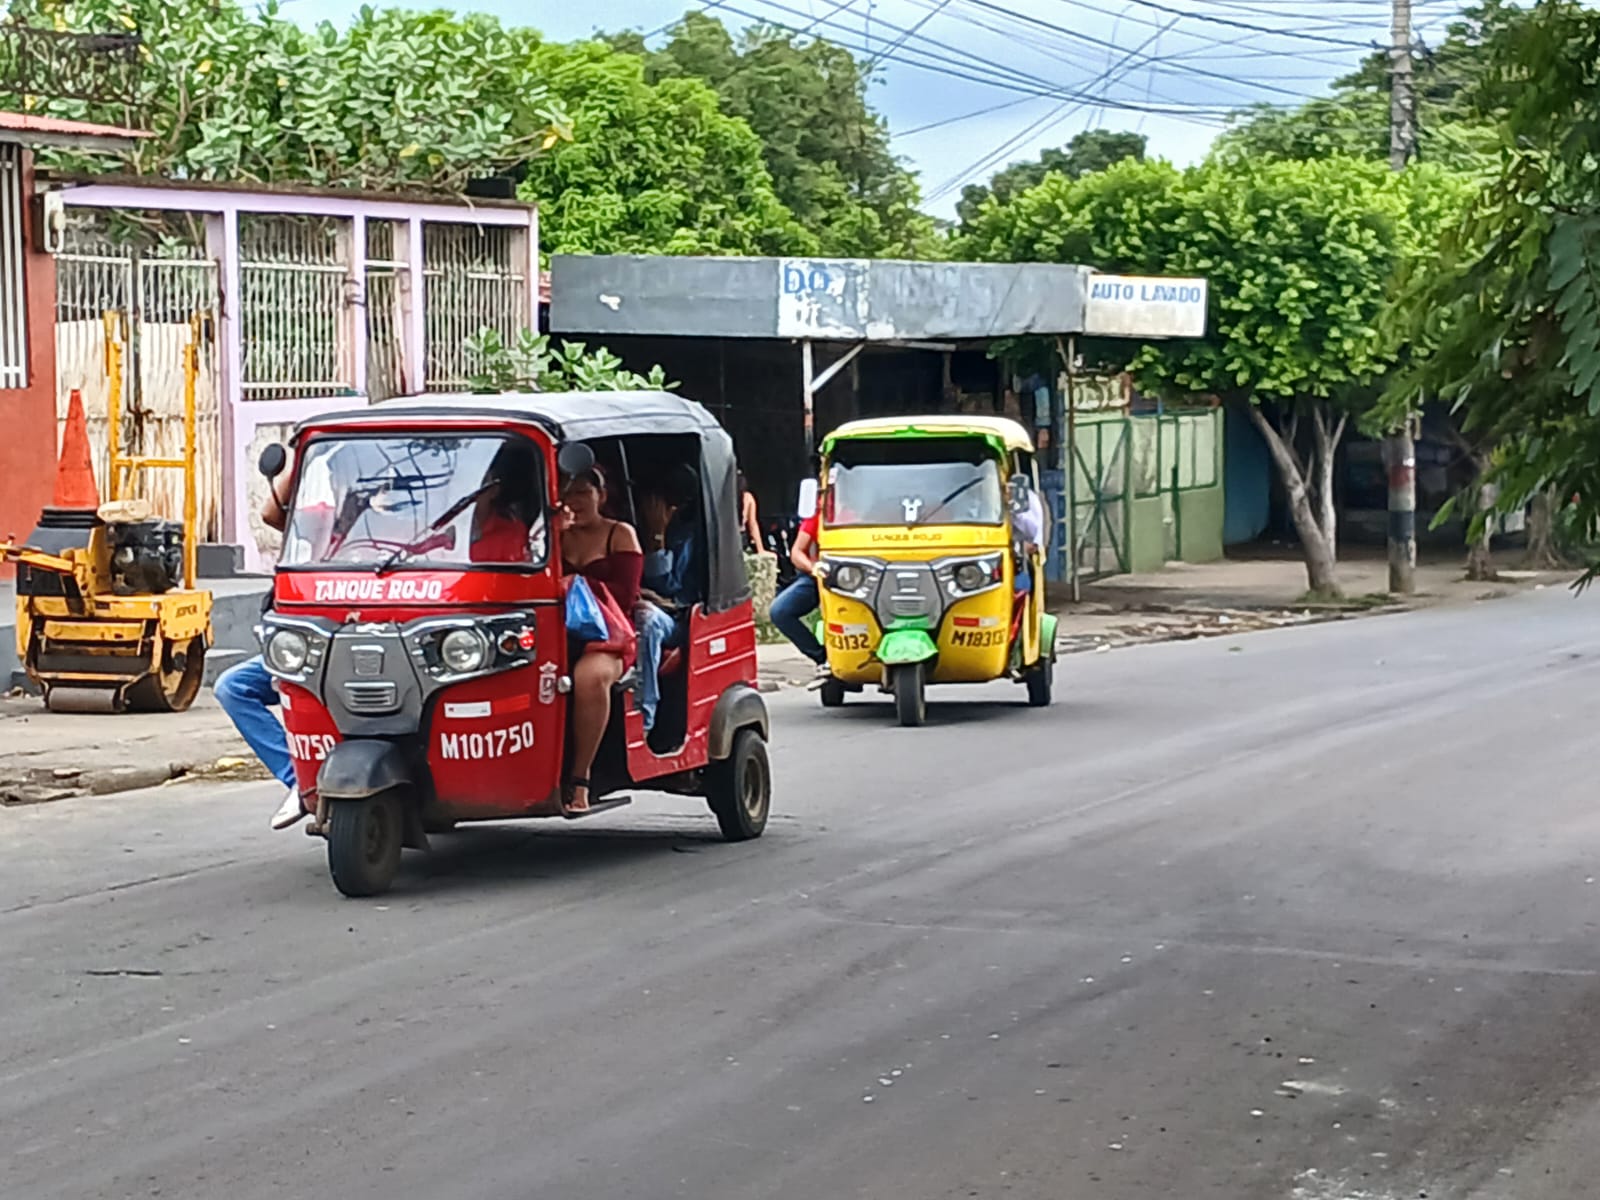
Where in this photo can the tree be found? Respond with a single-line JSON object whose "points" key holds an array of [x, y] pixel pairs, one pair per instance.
{"points": [[1090, 151], [529, 363], [397, 100], [651, 168], [1299, 256], [1511, 312], [827, 150]]}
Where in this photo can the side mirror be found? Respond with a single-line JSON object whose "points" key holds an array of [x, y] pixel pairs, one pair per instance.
{"points": [[806, 504], [574, 458], [272, 461], [1017, 491]]}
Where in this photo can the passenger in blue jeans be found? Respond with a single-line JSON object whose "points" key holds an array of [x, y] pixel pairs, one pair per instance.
{"points": [[247, 694], [667, 529], [799, 600]]}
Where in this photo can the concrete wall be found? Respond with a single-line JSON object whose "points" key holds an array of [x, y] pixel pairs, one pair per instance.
{"points": [[28, 451]]}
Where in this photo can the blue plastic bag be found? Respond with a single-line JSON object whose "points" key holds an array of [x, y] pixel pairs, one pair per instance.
{"points": [[586, 620]]}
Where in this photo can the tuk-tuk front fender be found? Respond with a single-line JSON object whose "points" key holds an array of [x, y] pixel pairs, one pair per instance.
{"points": [[1047, 637], [740, 707], [364, 767], [903, 647]]}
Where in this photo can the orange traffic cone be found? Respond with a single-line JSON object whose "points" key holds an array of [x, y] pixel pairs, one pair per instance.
{"points": [[75, 477]]}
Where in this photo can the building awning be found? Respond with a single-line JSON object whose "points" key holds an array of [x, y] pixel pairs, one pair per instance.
{"points": [[842, 300], [29, 130]]}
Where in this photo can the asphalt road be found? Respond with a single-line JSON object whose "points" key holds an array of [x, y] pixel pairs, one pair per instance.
{"points": [[1308, 914]]}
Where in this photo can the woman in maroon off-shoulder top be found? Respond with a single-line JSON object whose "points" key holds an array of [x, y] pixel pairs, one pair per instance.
{"points": [[604, 552]]}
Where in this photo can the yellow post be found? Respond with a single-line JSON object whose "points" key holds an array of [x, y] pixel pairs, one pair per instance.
{"points": [[113, 407], [191, 506]]}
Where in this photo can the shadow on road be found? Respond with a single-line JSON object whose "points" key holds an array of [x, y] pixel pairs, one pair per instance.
{"points": [[472, 856]]}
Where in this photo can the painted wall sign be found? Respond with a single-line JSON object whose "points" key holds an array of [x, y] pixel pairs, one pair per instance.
{"points": [[822, 298], [1139, 306]]}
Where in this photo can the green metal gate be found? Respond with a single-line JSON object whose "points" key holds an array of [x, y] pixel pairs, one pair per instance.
{"points": [[1100, 490]]}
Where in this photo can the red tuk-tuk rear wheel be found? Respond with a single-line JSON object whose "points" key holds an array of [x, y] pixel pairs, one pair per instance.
{"points": [[739, 788]]}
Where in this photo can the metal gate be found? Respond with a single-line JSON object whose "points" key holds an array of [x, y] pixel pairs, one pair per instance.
{"points": [[1100, 497], [139, 302]]}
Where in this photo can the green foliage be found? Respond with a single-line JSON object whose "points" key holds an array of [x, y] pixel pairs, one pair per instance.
{"points": [[1088, 152], [652, 168], [529, 363], [1299, 256], [827, 151], [397, 100], [1511, 312]]}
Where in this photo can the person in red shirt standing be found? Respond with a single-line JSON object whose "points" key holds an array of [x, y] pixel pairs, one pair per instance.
{"points": [[799, 600]]}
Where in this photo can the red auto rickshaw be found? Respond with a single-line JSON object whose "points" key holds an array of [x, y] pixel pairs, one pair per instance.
{"points": [[422, 687]]}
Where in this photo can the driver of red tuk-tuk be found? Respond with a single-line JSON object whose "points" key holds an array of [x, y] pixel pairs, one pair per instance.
{"points": [[505, 518]]}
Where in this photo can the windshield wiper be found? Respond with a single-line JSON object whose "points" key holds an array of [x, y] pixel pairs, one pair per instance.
{"points": [[449, 514], [950, 499]]}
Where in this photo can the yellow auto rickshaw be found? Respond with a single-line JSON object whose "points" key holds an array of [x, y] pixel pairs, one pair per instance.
{"points": [[930, 536]]}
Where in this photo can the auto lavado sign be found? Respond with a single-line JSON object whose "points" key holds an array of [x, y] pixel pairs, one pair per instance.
{"points": [[1143, 307]]}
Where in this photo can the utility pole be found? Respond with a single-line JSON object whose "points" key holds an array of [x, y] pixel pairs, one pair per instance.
{"points": [[1400, 451]]}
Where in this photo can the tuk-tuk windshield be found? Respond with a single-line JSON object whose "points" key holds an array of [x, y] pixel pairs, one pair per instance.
{"points": [[418, 500], [932, 481]]}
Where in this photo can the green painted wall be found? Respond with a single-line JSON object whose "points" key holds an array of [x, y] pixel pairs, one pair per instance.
{"points": [[1145, 535], [1202, 513]]}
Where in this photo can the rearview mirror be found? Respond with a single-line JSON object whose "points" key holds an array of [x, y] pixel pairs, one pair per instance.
{"points": [[272, 461], [574, 458], [806, 505]]}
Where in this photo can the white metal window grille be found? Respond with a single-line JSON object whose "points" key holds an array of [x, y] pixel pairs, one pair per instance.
{"points": [[295, 329], [13, 292], [475, 278]]}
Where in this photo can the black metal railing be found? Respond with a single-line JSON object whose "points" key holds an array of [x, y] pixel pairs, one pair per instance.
{"points": [[98, 68]]}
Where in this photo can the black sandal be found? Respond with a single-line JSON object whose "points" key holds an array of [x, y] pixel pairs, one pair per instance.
{"points": [[570, 813]]}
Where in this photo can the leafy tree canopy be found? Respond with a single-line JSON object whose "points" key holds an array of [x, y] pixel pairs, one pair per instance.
{"points": [[652, 168], [396, 100], [1090, 151], [827, 150], [1299, 256]]}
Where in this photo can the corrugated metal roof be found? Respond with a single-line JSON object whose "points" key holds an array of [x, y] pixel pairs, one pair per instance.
{"points": [[53, 131]]}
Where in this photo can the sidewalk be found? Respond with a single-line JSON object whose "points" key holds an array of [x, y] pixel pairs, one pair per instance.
{"points": [[1240, 595], [47, 756]]}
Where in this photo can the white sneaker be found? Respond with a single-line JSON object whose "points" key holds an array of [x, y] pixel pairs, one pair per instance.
{"points": [[823, 675], [290, 811]]}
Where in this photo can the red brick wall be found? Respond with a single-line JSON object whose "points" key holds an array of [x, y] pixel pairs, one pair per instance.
{"points": [[28, 415]]}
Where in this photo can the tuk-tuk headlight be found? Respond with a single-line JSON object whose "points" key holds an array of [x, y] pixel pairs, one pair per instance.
{"points": [[464, 651], [967, 577], [970, 577], [287, 651], [855, 579], [847, 577]]}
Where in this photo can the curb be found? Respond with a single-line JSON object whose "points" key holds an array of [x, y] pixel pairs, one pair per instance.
{"points": [[43, 786]]}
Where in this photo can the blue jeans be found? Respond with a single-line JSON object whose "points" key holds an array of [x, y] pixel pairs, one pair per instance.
{"points": [[657, 631], [789, 611], [246, 694]]}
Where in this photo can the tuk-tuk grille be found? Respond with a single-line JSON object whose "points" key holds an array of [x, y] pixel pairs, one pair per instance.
{"points": [[380, 696]]}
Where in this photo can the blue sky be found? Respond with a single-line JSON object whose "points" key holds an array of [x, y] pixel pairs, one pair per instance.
{"points": [[1043, 69]]}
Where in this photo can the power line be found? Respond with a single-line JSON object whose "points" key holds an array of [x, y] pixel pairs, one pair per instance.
{"points": [[1050, 119], [1216, 20]]}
